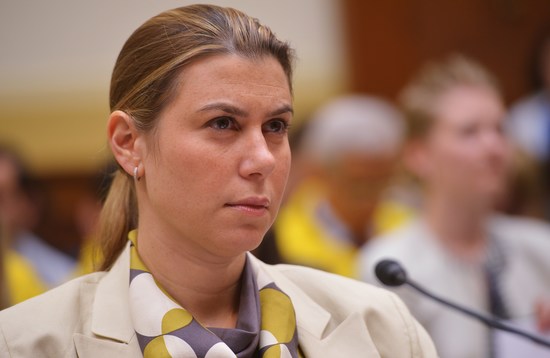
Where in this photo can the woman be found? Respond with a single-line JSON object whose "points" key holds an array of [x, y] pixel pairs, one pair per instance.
{"points": [[459, 248], [201, 102]]}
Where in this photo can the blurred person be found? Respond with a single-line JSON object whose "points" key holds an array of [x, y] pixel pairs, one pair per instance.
{"points": [[87, 214], [12, 265], [351, 146], [459, 248], [529, 126], [19, 213], [201, 100]]}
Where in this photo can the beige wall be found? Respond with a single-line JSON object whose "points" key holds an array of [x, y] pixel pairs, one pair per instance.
{"points": [[57, 56]]}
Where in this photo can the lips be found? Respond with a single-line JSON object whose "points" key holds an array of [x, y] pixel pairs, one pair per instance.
{"points": [[253, 206], [253, 203]]}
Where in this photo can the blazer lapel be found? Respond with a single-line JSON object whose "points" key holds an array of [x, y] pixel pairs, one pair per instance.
{"points": [[111, 326], [91, 347], [319, 334], [348, 339]]}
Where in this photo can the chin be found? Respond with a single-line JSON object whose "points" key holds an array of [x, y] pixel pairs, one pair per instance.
{"points": [[243, 241]]}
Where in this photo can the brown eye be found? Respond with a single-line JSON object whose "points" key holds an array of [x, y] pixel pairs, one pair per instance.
{"points": [[222, 123], [276, 126]]}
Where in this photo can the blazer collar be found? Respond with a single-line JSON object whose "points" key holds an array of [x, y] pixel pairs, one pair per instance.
{"points": [[321, 335], [111, 314], [111, 324]]}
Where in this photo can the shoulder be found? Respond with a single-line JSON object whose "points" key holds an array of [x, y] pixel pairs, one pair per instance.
{"points": [[414, 246], [399, 243], [520, 229], [521, 235], [30, 324], [334, 293], [342, 295], [315, 283], [21, 279], [343, 301], [65, 295]]}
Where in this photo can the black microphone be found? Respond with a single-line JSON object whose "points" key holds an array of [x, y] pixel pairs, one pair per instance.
{"points": [[391, 273]]}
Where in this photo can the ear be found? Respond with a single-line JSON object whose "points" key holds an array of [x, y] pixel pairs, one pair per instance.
{"points": [[416, 158], [125, 140]]}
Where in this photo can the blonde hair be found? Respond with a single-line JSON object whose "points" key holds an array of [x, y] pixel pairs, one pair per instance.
{"points": [[145, 76], [434, 80]]}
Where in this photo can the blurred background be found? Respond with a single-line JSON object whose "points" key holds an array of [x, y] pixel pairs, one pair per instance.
{"points": [[56, 58]]}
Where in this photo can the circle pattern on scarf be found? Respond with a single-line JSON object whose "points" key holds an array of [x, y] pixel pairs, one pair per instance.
{"points": [[165, 329]]}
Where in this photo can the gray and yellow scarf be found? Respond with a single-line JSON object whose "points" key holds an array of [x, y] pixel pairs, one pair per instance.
{"points": [[266, 324]]}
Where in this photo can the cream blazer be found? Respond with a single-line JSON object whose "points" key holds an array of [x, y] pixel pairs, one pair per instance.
{"points": [[336, 317]]}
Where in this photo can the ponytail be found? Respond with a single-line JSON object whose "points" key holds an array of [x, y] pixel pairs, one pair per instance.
{"points": [[118, 217]]}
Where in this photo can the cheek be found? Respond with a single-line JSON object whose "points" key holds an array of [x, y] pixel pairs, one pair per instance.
{"points": [[448, 164], [284, 169], [280, 175], [176, 168], [454, 156], [197, 172]]}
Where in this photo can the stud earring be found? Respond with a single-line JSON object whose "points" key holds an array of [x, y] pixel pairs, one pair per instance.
{"points": [[136, 177]]}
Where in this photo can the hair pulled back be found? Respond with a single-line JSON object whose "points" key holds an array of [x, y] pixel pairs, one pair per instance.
{"points": [[146, 75], [434, 80]]}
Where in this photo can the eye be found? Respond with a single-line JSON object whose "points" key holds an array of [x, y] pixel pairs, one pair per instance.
{"points": [[222, 123], [277, 126]]}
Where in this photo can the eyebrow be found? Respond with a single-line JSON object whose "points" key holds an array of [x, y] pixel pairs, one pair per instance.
{"points": [[228, 108]]}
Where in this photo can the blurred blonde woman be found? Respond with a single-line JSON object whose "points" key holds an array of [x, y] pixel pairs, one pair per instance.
{"points": [[459, 247]]}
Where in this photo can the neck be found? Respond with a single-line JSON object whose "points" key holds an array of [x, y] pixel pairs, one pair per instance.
{"points": [[206, 286], [458, 224]]}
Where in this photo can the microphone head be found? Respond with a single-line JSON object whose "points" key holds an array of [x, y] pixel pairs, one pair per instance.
{"points": [[390, 273]]}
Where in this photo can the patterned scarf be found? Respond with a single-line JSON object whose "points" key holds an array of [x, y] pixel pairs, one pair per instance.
{"points": [[165, 329]]}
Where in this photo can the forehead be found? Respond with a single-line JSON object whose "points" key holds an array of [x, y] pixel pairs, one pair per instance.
{"points": [[234, 74], [468, 103]]}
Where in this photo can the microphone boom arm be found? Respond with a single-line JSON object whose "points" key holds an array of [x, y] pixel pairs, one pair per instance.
{"points": [[391, 273], [491, 322]]}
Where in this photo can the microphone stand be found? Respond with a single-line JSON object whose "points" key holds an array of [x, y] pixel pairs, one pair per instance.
{"points": [[491, 322], [391, 273]]}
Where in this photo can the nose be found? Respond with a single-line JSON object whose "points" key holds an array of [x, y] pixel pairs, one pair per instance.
{"points": [[258, 160]]}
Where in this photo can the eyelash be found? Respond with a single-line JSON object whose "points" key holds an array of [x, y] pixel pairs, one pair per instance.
{"points": [[285, 126], [216, 121], [233, 125]]}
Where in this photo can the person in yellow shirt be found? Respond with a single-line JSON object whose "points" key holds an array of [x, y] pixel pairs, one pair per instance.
{"points": [[21, 281], [3, 285], [351, 146], [86, 218], [30, 266], [18, 279]]}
